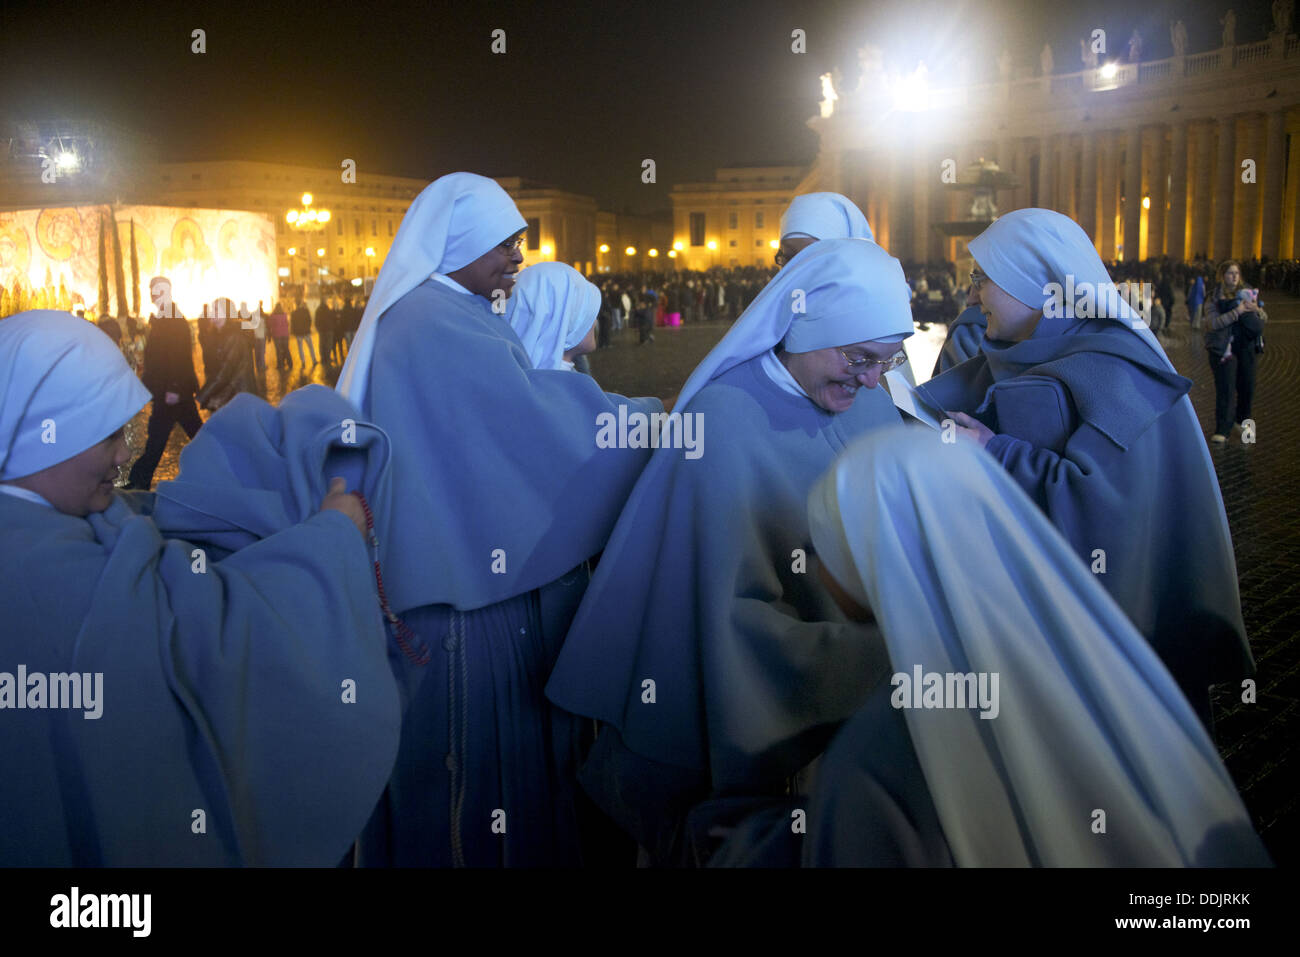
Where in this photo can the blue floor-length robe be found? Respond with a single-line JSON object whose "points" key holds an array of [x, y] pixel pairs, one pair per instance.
{"points": [[224, 692], [701, 591], [500, 495], [1087, 427]]}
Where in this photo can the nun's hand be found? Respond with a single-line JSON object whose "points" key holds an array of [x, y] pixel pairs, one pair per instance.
{"points": [[340, 499], [973, 429]]}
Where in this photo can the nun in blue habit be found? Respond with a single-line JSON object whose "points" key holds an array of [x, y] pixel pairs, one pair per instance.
{"points": [[500, 495], [718, 663], [1075, 397], [161, 707], [553, 312], [1084, 753], [815, 216]]}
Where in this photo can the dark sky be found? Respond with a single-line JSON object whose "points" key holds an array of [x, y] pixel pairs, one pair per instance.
{"points": [[579, 99]]}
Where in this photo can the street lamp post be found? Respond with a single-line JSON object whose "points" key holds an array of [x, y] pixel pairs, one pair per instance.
{"points": [[309, 220]]}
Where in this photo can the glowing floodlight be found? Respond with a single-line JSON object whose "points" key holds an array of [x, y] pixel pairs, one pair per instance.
{"points": [[653, 253], [672, 254], [68, 161], [291, 216], [306, 199], [323, 215], [679, 245], [321, 251], [911, 93], [604, 247], [630, 251], [547, 249], [774, 243], [712, 244], [1109, 71], [293, 250], [1146, 202]]}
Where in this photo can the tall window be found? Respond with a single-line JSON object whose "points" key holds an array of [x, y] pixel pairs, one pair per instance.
{"points": [[533, 240], [758, 220], [733, 220], [697, 229], [374, 227]]}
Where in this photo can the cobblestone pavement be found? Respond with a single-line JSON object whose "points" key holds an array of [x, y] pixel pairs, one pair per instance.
{"points": [[1260, 742]]}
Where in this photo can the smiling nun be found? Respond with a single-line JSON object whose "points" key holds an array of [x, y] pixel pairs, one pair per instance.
{"points": [[500, 495], [1079, 403], [717, 661]]}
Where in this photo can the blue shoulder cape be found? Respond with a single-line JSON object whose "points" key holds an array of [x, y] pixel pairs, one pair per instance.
{"points": [[499, 484], [704, 590]]}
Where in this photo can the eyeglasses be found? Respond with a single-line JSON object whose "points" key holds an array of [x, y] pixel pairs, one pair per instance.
{"points": [[978, 278], [510, 245], [861, 364]]}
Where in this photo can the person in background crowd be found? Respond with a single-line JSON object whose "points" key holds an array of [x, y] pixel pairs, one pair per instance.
{"points": [[278, 327], [170, 378], [300, 326], [1234, 324], [233, 360], [325, 330]]}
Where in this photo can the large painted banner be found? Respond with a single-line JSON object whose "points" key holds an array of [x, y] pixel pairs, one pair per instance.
{"points": [[50, 258]]}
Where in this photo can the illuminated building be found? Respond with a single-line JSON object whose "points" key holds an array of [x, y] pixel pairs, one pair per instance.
{"points": [[1211, 138], [739, 211]]}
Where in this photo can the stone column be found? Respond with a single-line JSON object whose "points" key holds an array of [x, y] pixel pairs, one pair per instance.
{"points": [[1159, 194], [1046, 179], [1270, 175], [1109, 204], [1176, 244], [925, 173], [1088, 187], [1069, 173], [1132, 193], [1225, 181], [1020, 196], [1245, 226], [1202, 195]]}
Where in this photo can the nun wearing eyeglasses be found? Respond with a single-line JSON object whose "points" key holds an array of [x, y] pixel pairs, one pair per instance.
{"points": [[1074, 396], [705, 643], [500, 495], [161, 707], [815, 216], [553, 312], [1062, 742]]}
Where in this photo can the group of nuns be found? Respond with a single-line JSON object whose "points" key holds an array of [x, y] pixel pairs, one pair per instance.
{"points": [[426, 619]]}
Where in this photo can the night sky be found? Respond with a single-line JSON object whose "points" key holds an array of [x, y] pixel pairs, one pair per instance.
{"points": [[578, 100]]}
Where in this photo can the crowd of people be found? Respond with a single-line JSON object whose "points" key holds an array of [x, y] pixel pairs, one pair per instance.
{"points": [[535, 623]]}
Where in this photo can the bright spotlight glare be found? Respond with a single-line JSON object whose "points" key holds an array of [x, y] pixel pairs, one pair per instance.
{"points": [[1109, 71], [912, 92], [68, 161]]}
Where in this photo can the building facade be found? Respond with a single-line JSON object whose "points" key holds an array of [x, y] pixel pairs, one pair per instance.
{"points": [[734, 220], [1193, 154]]}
